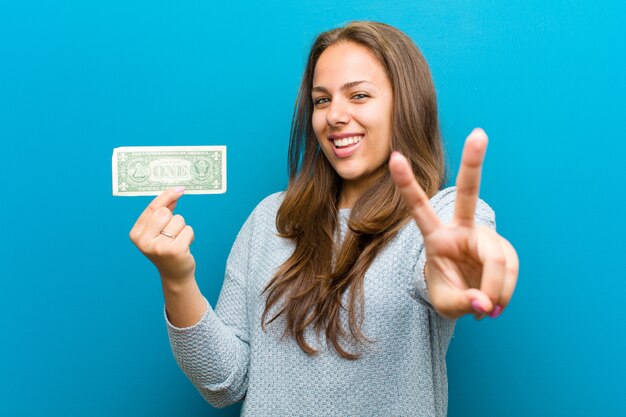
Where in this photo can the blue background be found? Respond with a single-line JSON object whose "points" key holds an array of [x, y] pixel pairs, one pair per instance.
{"points": [[83, 330]]}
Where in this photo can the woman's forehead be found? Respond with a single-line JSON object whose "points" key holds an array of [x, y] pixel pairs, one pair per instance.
{"points": [[347, 62]]}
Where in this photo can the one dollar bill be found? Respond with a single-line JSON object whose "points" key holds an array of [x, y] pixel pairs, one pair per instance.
{"points": [[149, 170]]}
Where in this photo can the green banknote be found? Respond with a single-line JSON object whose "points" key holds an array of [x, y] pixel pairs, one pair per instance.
{"points": [[149, 170]]}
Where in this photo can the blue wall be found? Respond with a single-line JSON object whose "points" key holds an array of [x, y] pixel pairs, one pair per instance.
{"points": [[83, 331]]}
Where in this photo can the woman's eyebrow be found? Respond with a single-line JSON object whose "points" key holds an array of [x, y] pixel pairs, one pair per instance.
{"points": [[343, 87]]}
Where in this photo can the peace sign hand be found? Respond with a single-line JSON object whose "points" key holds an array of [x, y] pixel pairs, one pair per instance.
{"points": [[470, 268]]}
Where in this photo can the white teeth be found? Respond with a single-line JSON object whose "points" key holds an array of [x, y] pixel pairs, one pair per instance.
{"points": [[347, 141]]}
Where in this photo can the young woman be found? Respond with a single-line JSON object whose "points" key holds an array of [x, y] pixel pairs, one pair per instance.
{"points": [[341, 293]]}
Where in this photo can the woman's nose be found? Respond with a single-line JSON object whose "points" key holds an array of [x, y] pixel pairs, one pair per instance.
{"points": [[337, 113]]}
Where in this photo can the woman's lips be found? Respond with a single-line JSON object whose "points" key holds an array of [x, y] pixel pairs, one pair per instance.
{"points": [[346, 151]]}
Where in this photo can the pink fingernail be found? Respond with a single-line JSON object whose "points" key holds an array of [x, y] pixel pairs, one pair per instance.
{"points": [[179, 189], [497, 310], [477, 307]]}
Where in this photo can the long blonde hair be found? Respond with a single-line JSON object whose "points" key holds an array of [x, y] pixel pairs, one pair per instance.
{"points": [[311, 282]]}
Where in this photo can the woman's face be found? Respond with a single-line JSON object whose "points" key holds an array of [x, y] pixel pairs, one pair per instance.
{"points": [[352, 100]]}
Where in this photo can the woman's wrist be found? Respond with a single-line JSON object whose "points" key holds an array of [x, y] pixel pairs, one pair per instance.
{"points": [[184, 303], [176, 286]]}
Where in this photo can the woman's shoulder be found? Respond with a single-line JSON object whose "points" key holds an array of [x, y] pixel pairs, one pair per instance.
{"points": [[270, 204], [264, 214], [262, 220]]}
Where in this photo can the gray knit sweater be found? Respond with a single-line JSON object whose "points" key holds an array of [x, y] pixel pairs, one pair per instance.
{"points": [[229, 358]]}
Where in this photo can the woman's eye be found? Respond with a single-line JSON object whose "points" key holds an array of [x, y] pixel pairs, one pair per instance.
{"points": [[360, 96], [320, 100]]}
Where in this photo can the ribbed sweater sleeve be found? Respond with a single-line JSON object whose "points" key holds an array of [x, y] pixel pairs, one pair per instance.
{"points": [[214, 353]]}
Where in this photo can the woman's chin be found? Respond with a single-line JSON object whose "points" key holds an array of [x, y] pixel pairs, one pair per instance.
{"points": [[350, 175], [357, 177]]}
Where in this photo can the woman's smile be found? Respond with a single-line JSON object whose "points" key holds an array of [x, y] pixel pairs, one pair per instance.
{"points": [[345, 144]]}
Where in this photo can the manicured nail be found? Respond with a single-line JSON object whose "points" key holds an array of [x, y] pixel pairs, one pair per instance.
{"points": [[477, 307], [179, 189], [497, 310]]}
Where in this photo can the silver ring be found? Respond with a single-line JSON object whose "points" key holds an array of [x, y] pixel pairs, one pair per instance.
{"points": [[164, 233]]}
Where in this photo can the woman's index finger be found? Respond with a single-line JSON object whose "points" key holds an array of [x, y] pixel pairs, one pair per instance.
{"points": [[167, 198], [413, 195], [468, 179]]}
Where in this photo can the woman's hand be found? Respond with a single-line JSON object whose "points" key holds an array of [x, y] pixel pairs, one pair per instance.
{"points": [[165, 238], [469, 268]]}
